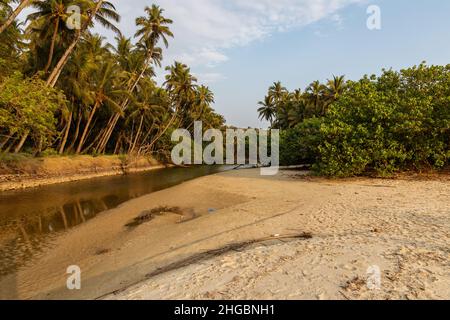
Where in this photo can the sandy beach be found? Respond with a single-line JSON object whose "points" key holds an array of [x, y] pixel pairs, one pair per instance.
{"points": [[237, 235]]}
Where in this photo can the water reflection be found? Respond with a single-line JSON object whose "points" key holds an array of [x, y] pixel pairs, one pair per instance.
{"points": [[30, 219]]}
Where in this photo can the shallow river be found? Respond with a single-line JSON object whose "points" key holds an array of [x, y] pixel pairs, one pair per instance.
{"points": [[31, 218]]}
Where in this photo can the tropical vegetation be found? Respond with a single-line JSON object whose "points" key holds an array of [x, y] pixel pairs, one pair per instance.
{"points": [[380, 124], [64, 89]]}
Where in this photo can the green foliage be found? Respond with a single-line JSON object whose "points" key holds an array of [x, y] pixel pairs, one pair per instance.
{"points": [[27, 107], [398, 121], [108, 100], [299, 145]]}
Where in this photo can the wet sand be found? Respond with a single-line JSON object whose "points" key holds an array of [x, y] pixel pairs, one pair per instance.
{"points": [[244, 236]]}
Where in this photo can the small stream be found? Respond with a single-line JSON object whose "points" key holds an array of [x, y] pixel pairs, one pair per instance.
{"points": [[31, 218]]}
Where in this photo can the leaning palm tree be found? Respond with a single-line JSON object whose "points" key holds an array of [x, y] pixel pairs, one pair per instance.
{"points": [[147, 107], [153, 28], [101, 11], [12, 17], [48, 25]]}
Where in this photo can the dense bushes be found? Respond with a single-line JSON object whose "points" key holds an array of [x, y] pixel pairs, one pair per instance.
{"points": [[27, 108], [397, 121], [299, 145]]}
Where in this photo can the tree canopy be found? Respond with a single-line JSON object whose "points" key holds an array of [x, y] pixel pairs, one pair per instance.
{"points": [[67, 90]]}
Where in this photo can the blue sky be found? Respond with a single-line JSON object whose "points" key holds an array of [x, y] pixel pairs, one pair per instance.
{"points": [[239, 47]]}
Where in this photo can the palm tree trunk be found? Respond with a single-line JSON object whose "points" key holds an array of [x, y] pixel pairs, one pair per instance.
{"points": [[53, 78], [66, 134], [4, 142], [13, 16], [21, 142], [138, 134], [164, 131], [77, 132], [118, 145], [52, 47], [86, 128], [102, 145]]}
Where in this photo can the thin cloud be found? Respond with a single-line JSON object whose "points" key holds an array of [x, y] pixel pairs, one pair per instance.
{"points": [[206, 29]]}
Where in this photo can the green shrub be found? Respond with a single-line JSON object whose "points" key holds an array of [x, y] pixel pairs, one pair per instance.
{"points": [[27, 108], [397, 121], [299, 145]]}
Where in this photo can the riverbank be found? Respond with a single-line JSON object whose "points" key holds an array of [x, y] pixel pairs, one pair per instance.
{"points": [[21, 172], [237, 235]]}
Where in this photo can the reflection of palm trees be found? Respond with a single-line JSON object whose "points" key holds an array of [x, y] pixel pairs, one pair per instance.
{"points": [[64, 217], [80, 211], [24, 233], [40, 224]]}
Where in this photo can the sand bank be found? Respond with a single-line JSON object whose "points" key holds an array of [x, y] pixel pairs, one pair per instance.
{"points": [[242, 240], [34, 172]]}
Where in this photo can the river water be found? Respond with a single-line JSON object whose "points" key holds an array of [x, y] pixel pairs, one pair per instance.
{"points": [[31, 218]]}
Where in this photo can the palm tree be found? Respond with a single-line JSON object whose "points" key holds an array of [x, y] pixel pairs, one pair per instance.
{"points": [[12, 17], [315, 95], [277, 92], [147, 107], [204, 98], [267, 111], [75, 82], [11, 46], [101, 11], [297, 108], [48, 22], [336, 87], [152, 28], [103, 92]]}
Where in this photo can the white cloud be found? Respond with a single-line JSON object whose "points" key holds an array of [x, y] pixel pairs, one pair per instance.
{"points": [[205, 29]]}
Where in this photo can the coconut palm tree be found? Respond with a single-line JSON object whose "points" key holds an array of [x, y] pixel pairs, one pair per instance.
{"points": [[100, 11], [153, 28], [277, 92], [181, 86], [75, 81], [14, 13], [336, 87], [146, 108], [267, 111], [204, 99], [315, 94], [104, 93], [48, 23]]}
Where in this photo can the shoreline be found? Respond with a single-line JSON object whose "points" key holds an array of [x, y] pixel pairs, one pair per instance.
{"points": [[402, 226], [74, 169]]}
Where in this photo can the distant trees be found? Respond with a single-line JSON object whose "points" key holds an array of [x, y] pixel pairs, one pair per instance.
{"points": [[284, 109], [396, 121]]}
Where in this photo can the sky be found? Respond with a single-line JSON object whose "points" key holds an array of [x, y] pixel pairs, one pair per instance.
{"points": [[240, 47]]}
